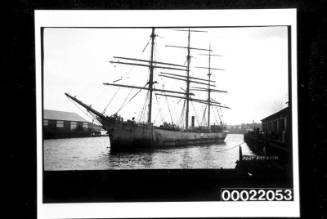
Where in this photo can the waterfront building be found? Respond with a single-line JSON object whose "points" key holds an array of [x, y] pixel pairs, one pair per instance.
{"points": [[276, 125], [275, 137], [60, 124]]}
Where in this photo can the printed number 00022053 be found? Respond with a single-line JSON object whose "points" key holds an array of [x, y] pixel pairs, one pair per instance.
{"points": [[248, 194]]}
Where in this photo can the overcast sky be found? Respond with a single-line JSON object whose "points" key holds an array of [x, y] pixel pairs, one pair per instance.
{"points": [[254, 58]]}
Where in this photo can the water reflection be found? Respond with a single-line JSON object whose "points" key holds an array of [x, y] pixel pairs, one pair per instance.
{"points": [[94, 153]]}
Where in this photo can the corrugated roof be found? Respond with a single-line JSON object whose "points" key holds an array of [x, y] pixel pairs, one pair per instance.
{"points": [[61, 115]]}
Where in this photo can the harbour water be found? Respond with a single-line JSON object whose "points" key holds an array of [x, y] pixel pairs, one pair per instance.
{"points": [[94, 154]]}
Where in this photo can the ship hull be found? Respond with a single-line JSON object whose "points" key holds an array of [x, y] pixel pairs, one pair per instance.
{"points": [[132, 136]]}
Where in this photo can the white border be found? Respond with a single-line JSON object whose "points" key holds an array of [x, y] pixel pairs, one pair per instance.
{"points": [[69, 18]]}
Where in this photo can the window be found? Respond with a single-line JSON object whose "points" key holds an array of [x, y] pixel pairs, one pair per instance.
{"points": [[275, 126], [85, 125], [45, 122], [60, 124], [73, 125], [282, 124]]}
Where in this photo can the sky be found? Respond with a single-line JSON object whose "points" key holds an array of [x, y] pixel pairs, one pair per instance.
{"points": [[255, 59]]}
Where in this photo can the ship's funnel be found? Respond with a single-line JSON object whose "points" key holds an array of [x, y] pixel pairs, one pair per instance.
{"points": [[193, 121]]}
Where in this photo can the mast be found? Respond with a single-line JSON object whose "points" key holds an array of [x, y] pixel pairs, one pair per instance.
{"points": [[151, 64], [188, 78], [188, 59], [151, 76], [188, 81], [209, 91]]}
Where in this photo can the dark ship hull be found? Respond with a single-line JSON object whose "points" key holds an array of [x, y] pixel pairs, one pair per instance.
{"points": [[130, 136]]}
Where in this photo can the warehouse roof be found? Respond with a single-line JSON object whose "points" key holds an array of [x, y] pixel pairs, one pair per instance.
{"points": [[61, 115], [283, 112]]}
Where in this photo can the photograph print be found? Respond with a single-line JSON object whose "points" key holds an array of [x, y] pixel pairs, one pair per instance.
{"points": [[166, 113]]}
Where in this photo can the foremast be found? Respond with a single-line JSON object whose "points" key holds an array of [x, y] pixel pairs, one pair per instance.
{"points": [[151, 77], [152, 65]]}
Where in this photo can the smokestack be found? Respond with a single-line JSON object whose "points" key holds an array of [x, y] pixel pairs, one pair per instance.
{"points": [[193, 121]]}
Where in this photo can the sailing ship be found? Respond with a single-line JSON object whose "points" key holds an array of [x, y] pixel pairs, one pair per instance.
{"points": [[130, 135]]}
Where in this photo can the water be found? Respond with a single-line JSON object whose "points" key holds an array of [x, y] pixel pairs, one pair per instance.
{"points": [[94, 154]]}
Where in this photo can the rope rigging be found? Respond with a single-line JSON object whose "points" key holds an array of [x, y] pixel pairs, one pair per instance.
{"points": [[171, 117], [124, 79], [181, 120], [219, 115], [146, 46], [160, 112], [204, 116], [214, 114], [155, 118], [111, 99], [87, 113], [137, 92], [141, 115], [125, 100]]}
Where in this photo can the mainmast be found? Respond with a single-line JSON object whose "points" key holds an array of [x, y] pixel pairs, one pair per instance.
{"points": [[188, 59], [151, 76], [209, 78], [188, 78]]}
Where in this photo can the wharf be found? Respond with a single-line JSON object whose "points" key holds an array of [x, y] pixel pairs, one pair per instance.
{"points": [[262, 145]]}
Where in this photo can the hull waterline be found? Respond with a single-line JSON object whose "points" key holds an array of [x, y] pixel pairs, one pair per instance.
{"points": [[132, 136]]}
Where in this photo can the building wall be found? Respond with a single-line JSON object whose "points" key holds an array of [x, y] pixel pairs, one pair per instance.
{"points": [[67, 129], [276, 126]]}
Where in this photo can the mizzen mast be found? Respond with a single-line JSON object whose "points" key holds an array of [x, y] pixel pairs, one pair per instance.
{"points": [[209, 89]]}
